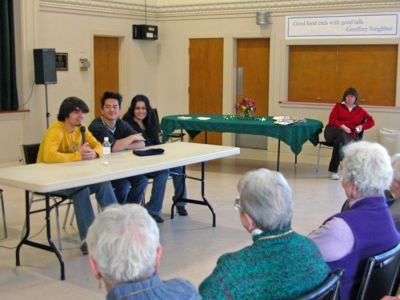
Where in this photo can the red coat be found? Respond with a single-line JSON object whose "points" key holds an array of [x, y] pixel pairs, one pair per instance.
{"points": [[341, 115]]}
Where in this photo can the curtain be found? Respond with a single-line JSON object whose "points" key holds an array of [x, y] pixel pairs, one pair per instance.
{"points": [[8, 81]]}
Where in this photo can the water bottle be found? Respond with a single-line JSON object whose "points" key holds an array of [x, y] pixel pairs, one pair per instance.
{"points": [[106, 151]]}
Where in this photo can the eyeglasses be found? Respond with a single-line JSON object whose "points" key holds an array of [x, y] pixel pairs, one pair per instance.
{"points": [[236, 204]]}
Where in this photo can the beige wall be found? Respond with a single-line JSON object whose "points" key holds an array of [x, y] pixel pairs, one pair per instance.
{"points": [[174, 38], [158, 68]]}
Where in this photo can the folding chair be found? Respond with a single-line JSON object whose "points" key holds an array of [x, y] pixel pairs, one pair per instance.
{"points": [[323, 145], [381, 275], [326, 145], [328, 290], [29, 154], [174, 136]]}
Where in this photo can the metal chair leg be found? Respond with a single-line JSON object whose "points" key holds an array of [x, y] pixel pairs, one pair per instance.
{"points": [[319, 154], [66, 215], [4, 214], [72, 219]]}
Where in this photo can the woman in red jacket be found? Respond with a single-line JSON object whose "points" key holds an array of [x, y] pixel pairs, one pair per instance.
{"points": [[347, 121]]}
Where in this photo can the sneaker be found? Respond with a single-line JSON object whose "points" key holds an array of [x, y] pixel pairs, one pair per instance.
{"points": [[182, 211], [335, 176], [157, 218], [84, 248]]}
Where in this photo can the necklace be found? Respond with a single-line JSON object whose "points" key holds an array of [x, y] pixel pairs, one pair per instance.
{"points": [[275, 236]]}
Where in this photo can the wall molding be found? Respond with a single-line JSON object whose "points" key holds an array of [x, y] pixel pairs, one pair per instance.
{"points": [[191, 8]]}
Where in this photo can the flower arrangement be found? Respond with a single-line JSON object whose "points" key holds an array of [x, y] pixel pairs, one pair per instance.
{"points": [[246, 106]]}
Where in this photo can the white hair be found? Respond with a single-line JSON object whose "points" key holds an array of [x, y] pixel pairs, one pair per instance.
{"points": [[123, 241], [367, 165], [267, 198], [396, 167]]}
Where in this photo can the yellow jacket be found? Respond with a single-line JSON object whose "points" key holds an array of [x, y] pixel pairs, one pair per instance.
{"points": [[59, 145]]}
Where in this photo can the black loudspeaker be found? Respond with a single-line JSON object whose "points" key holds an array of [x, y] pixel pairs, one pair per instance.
{"points": [[45, 66], [145, 32]]}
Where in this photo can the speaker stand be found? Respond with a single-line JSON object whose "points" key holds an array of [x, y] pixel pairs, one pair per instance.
{"points": [[47, 106]]}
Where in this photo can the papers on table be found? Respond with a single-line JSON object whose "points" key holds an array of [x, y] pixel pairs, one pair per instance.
{"points": [[282, 120], [188, 118], [286, 120]]}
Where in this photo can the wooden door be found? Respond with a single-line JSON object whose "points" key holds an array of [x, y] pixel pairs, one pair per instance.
{"points": [[312, 73], [322, 73], [106, 68], [372, 70], [206, 81], [253, 61]]}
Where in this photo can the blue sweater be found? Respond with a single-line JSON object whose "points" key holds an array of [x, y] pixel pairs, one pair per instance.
{"points": [[374, 232]]}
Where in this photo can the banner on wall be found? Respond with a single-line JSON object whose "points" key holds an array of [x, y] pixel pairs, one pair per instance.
{"points": [[379, 25]]}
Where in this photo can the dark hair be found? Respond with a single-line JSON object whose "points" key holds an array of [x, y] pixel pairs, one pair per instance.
{"points": [[111, 95], [69, 105], [350, 91], [150, 123]]}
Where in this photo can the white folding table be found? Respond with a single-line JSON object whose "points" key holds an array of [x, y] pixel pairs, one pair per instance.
{"points": [[47, 178]]}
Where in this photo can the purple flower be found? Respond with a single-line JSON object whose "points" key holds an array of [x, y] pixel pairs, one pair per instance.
{"points": [[246, 104]]}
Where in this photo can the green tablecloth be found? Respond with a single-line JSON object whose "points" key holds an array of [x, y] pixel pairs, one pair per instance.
{"points": [[294, 135]]}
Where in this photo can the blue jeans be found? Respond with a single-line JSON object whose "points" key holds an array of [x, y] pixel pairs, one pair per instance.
{"points": [[154, 206], [179, 184], [134, 187], [83, 207], [131, 189]]}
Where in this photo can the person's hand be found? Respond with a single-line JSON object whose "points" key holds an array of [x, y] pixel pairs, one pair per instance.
{"points": [[346, 129], [359, 128], [138, 138], [86, 152], [391, 298]]}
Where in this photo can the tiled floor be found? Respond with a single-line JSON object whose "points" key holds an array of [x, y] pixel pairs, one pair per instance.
{"points": [[191, 245]]}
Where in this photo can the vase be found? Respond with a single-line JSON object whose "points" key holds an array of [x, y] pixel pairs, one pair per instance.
{"points": [[246, 115]]}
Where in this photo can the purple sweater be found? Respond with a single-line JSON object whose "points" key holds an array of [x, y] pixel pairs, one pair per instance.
{"points": [[374, 232]]}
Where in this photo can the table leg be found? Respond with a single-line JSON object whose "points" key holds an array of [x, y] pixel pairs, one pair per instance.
{"points": [[51, 247], [3, 214], [199, 202], [279, 154], [181, 199], [27, 229], [203, 194]]}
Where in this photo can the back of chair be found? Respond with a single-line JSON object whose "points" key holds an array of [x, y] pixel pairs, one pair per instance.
{"points": [[30, 153], [328, 290], [156, 120], [155, 116], [380, 275]]}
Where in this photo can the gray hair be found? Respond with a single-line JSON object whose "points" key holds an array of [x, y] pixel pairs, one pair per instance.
{"points": [[267, 198], [367, 165], [123, 241], [396, 167]]}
